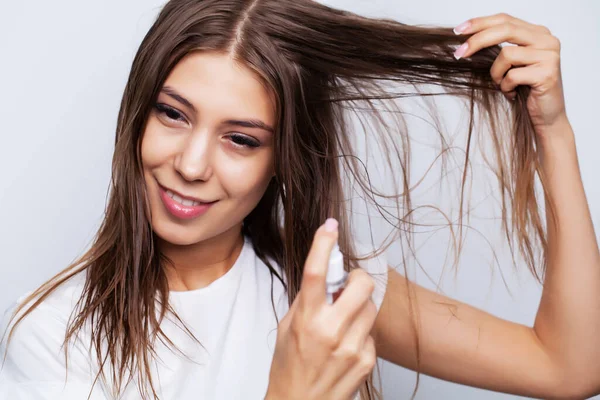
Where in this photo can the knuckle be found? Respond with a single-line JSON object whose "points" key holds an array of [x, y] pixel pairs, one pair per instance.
{"points": [[556, 43], [543, 29], [509, 78], [349, 354], [367, 363], [504, 17], [370, 354], [331, 339], [327, 336]]}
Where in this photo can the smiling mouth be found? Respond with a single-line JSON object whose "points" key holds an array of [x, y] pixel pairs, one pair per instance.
{"points": [[187, 201], [181, 200], [183, 208]]}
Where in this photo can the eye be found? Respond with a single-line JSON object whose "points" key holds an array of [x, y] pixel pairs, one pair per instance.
{"points": [[169, 112], [242, 141]]}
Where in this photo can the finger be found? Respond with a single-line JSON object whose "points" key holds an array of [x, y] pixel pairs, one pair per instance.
{"points": [[515, 56], [531, 76], [350, 349], [478, 24], [313, 286], [348, 306], [358, 291], [358, 372], [358, 331], [499, 34]]}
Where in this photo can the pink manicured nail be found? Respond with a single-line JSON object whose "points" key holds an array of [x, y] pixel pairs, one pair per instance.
{"points": [[462, 28], [461, 51], [331, 225]]}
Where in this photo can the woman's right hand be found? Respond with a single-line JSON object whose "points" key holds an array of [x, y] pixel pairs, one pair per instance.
{"points": [[324, 351]]}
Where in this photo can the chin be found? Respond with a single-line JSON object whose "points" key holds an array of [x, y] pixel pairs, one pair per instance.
{"points": [[177, 234]]}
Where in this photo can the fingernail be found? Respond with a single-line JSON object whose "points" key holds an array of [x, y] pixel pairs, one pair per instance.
{"points": [[331, 225], [462, 28], [461, 50]]}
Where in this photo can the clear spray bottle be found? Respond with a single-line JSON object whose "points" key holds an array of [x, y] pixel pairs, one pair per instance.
{"points": [[336, 275]]}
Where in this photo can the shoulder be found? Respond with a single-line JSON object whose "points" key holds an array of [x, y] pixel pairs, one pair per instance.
{"points": [[35, 351], [56, 306]]}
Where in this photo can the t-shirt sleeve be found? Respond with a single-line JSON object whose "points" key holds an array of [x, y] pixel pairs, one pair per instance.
{"points": [[377, 267], [33, 366]]}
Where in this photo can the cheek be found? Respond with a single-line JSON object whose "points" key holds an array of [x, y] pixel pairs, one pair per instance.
{"points": [[248, 178], [155, 147]]}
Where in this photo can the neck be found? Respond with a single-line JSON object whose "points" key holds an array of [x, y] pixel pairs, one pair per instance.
{"points": [[198, 265]]}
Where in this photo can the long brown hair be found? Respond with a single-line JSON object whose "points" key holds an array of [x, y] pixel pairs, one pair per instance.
{"points": [[320, 63]]}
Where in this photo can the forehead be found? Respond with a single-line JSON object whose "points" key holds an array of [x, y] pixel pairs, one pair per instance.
{"points": [[217, 85]]}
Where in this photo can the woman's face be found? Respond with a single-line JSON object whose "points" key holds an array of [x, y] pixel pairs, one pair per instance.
{"points": [[202, 145]]}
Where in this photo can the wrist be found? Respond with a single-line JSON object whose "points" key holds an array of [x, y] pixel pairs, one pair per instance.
{"points": [[560, 132], [556, 145], [557, 150]]}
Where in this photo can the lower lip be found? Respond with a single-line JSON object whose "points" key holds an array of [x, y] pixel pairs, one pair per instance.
{"points": [[179, 210]]}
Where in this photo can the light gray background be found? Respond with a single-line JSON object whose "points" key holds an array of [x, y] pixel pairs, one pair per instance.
{"points": [[64, 65]]}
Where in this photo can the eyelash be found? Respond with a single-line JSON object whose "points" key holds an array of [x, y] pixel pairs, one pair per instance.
{"points": [[240, 141]]}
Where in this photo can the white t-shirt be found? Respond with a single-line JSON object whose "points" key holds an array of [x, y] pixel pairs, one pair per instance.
{"points": [[233, 318]]}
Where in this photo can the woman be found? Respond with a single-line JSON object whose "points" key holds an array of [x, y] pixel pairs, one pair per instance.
{"points": [[206, 279]]}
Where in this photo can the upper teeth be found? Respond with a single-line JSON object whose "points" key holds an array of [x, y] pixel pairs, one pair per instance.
{"points": [[181, 200]]}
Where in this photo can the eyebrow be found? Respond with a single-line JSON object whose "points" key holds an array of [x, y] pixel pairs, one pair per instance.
{"points": [[246, 123]]}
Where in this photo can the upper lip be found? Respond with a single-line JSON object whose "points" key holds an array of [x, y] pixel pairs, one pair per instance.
{"points": [[185, 197]]}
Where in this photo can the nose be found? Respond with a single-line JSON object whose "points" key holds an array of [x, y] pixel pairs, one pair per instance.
{"points": [[193, 161]]}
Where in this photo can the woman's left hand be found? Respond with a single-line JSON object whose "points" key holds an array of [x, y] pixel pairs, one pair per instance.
{"points": [[534, 61]]}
